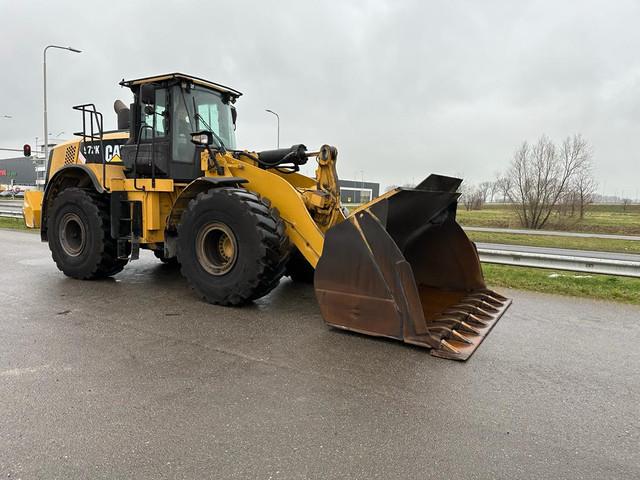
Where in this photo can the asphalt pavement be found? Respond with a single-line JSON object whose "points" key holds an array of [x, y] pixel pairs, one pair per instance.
{"points": [[135, 377]]}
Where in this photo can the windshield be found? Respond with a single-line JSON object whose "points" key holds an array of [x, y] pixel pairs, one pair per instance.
{"points": [[213, 114]]}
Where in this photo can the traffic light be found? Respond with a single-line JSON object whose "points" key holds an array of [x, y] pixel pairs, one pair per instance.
{"points": [[26, 149]]}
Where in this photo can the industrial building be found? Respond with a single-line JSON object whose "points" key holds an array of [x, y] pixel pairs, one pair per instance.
{"points": [[355, 192], [25, 171]]}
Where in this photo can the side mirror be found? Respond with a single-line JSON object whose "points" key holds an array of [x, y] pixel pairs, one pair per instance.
{"points": [[148, 94], [202, 138], [234, 115]]}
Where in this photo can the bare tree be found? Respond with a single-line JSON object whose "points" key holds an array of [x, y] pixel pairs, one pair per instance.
{"points": [[541, 174], [503, 186], [567, 204], [484, 190], [473, 197], [584, 186], [492, 192], [494, 187], [625, 203]]}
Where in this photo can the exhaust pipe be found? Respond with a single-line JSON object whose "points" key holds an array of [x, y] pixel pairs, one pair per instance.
{"points": [[123, 113]]}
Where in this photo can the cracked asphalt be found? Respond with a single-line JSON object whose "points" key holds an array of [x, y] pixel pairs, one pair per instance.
{"points": [[137, 378]]}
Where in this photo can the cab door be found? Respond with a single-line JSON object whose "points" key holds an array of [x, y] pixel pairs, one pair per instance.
{"points": [[185, 157], [153, 155]]}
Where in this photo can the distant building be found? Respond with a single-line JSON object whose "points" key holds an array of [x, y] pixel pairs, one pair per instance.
{"points": [[355, 192], [18, 171], [27, 171]]}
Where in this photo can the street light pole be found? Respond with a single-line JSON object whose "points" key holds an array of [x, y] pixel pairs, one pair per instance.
{"points": [[278, 117], [44, 77]]}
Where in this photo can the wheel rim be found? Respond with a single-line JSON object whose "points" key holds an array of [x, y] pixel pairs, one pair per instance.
{"points": [[73, 236], [216, 248]]}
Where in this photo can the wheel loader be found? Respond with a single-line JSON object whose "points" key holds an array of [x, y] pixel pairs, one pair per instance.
{"points": [[171, 180]]}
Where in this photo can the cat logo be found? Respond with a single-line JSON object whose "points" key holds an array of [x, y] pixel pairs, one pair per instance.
{"points": [[115, 159]]}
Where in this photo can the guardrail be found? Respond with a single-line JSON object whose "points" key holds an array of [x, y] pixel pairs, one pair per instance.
{"points": [[10, 213], [552, 233], [626, 268]]}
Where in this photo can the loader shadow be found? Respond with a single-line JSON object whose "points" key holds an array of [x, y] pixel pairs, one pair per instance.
{"points": [[290, 297], [290, 303]]}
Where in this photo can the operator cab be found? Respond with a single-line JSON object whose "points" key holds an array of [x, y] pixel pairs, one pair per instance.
{"points": [[166, 110]]}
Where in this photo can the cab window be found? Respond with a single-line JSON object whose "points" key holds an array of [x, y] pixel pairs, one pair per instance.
{"points": [[160, 117]]}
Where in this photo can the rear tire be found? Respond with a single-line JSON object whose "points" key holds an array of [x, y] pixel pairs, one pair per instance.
{"points": [[80, 237], [232, 246]]}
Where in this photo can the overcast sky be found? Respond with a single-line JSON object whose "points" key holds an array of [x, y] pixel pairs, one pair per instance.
{"points": [[402, 88]]}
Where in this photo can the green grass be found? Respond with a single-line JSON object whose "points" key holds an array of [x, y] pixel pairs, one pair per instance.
{"points": [[576, 243], [14, 223], [598, 219], [603, 287]]}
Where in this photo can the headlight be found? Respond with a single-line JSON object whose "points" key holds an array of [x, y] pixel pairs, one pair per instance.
{"points": [[202, 138]]}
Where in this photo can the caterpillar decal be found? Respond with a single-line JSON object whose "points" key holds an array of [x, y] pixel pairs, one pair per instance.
{"points": [[90, 151]]}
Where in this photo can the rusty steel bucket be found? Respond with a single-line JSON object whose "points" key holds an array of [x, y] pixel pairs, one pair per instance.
{"points": [[401, 267]]}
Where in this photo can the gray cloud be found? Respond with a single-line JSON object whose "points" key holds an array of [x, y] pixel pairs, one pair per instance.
{"points": [[403, 88]]}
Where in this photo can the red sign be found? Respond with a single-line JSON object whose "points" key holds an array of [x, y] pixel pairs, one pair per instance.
{"points": [[3, 173]]}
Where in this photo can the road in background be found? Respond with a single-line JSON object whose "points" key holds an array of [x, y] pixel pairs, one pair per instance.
{"points": [[622, 257], [553, 233], [135, 377]]}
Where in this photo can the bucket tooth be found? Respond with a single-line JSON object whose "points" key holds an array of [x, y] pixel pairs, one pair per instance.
{"points": [[466, 314], [496, 295], [461, 338], [480, 306], [401, 267], [446, 346], [450, 323], [473, 318], [480, 310], [466, 327], [494, 302]]}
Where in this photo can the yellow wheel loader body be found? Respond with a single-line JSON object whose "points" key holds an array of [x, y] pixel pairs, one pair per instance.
{"points": [[398, 267], [32, 208]]}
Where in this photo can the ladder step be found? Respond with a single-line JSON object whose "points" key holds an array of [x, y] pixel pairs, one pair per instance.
{"points": [[135, 249], [126, 226]]}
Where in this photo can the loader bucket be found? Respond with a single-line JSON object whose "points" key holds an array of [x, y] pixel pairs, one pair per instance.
{"points": [[401, 267]]}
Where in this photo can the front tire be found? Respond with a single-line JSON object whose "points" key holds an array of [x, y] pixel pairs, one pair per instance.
{"points": [[79, 235], [232, 246]]}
